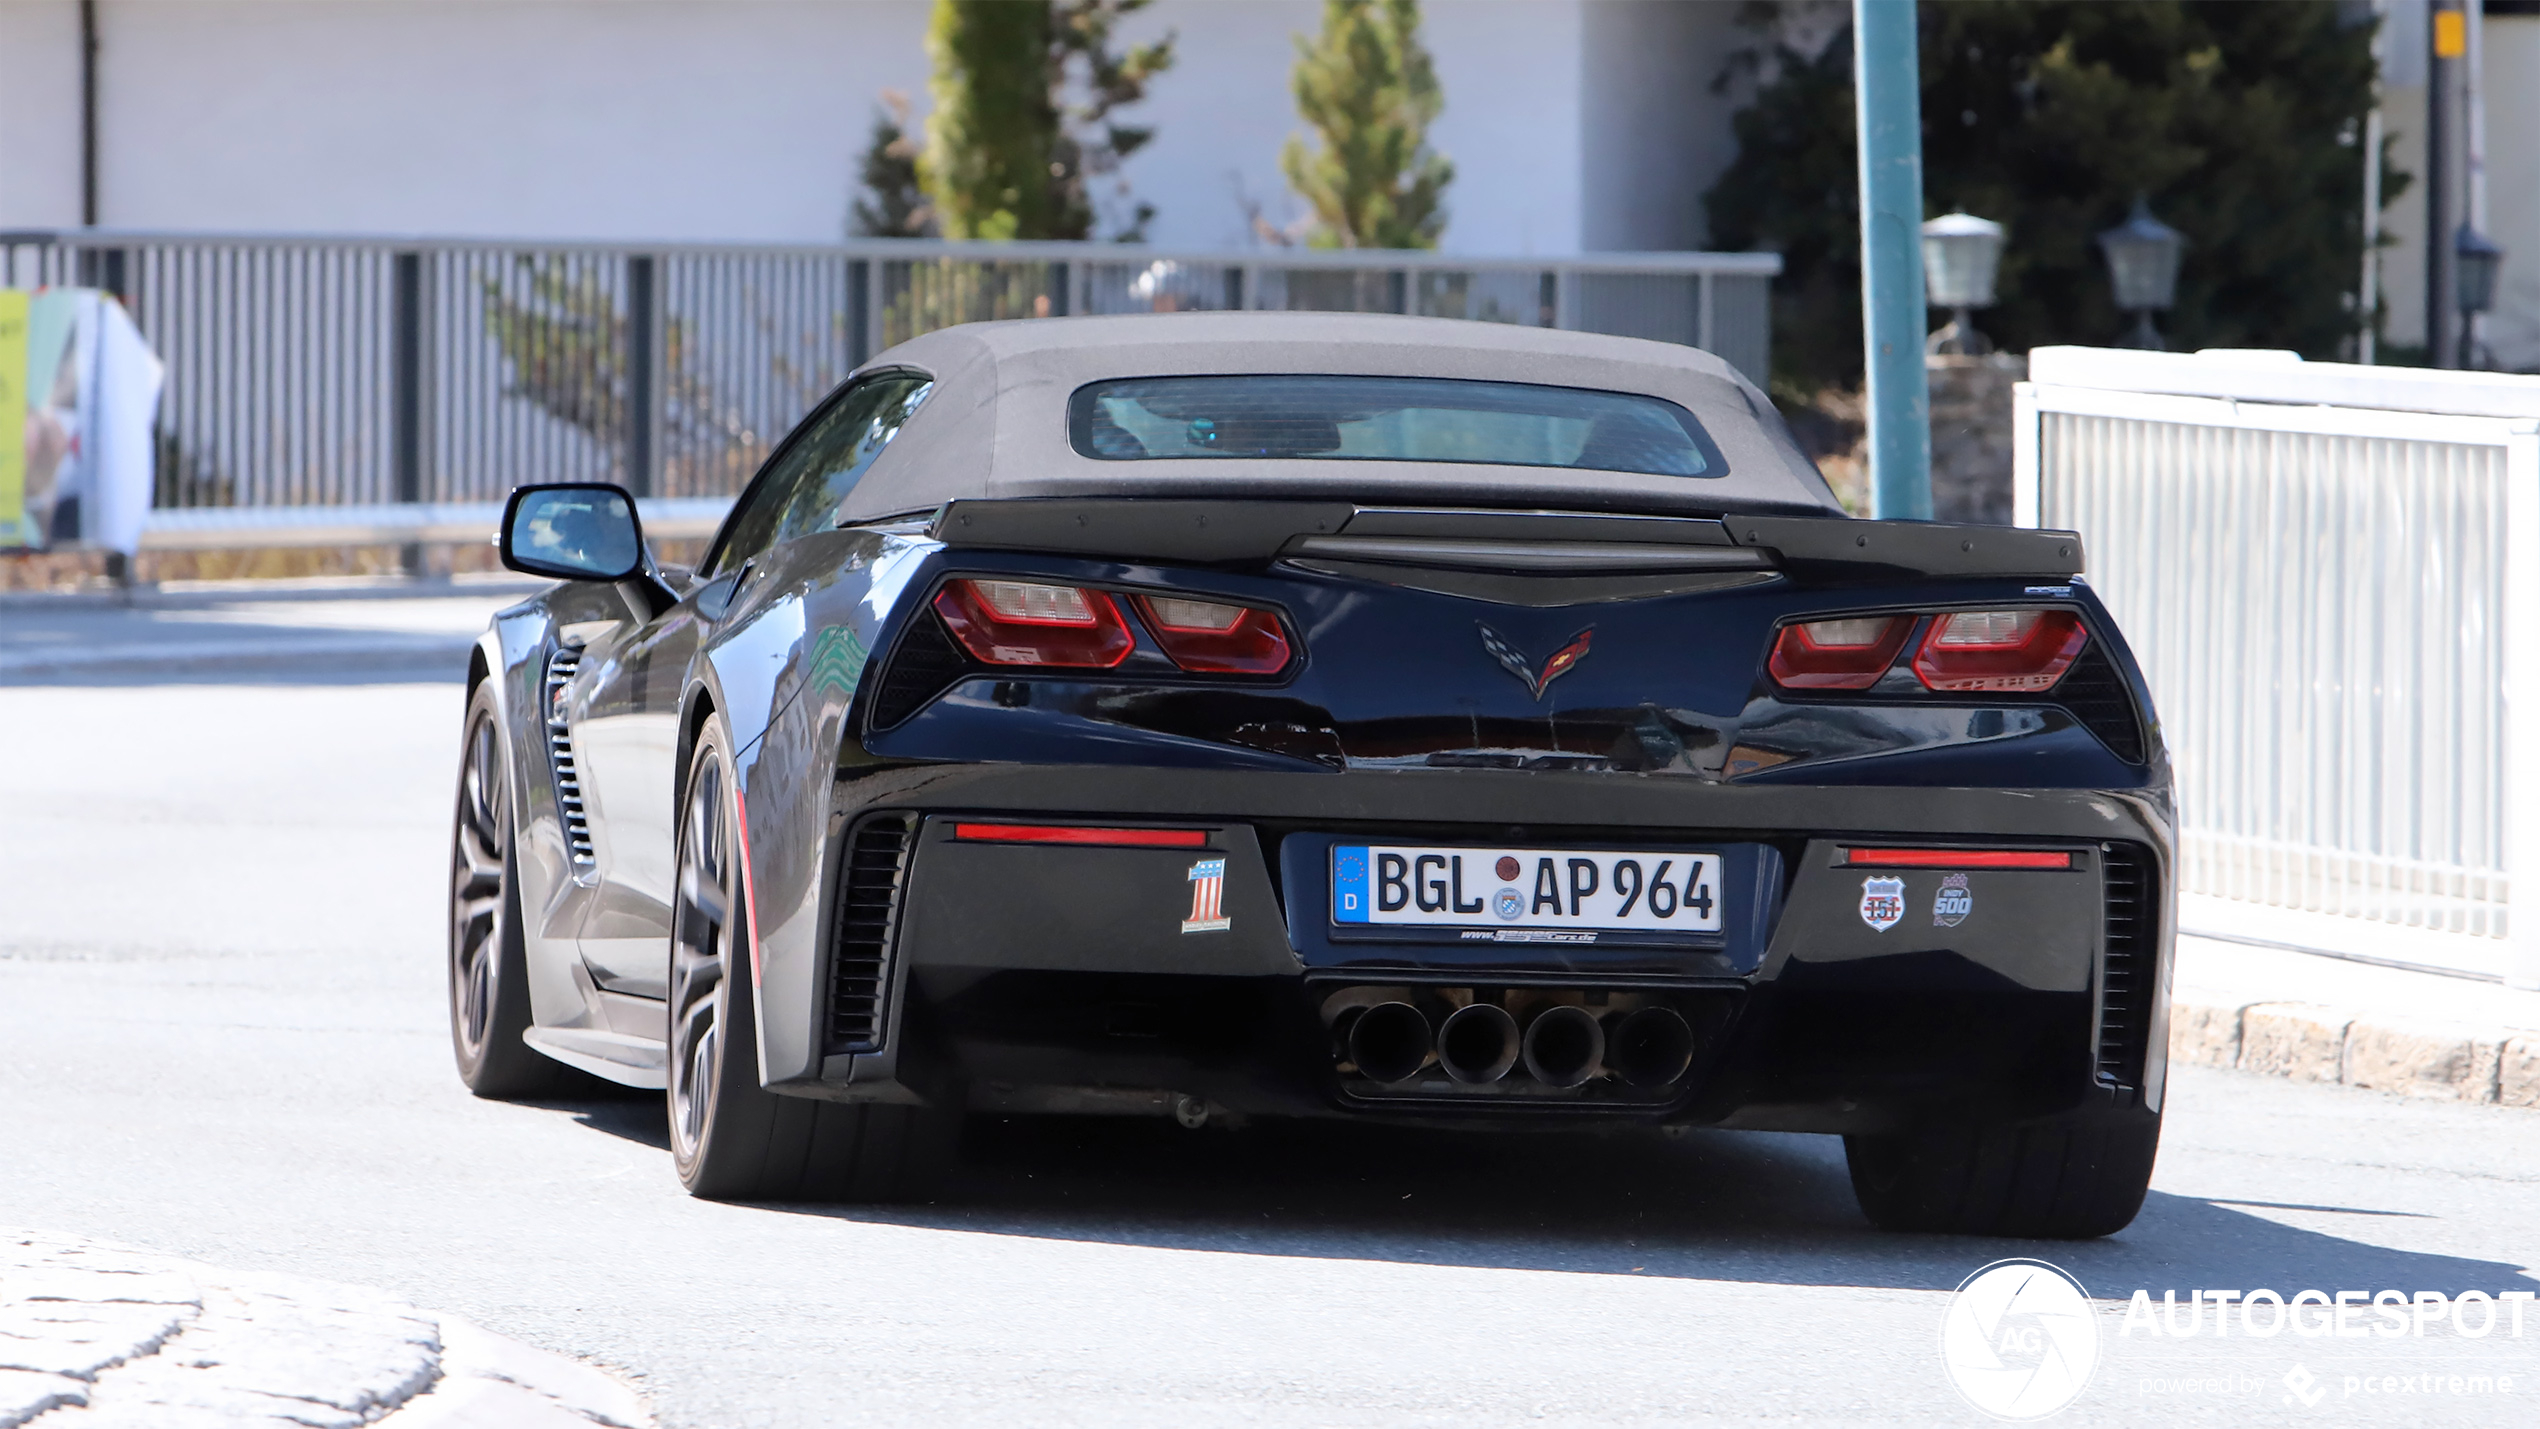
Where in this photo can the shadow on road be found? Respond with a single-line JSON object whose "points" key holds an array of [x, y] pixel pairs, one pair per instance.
{"points": [[625, 1112], [1744, 1206]]}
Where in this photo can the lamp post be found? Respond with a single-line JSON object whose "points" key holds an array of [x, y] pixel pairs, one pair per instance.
{"points": [[2142, 255], [1961, 254], [2475, 259]]}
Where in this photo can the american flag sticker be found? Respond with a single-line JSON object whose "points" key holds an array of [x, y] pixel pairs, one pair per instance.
{"points": [[1208, 898]]}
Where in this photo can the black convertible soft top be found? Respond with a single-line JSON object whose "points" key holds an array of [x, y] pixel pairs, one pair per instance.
{"points": [[996, 426]]}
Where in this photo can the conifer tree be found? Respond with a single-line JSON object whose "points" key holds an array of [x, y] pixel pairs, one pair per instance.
{"points": [[893, 204], [994, 132], [1367, 87], [1023, 126]]}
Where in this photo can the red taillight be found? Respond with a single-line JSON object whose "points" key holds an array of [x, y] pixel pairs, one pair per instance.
{"points": [[1847, 654], [1212, 638], [1999, 650], [1032, 623], [1079, 834], [1956, 858]]}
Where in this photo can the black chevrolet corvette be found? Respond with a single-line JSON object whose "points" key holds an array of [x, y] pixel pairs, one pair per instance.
{"points": [[1269, 714]]}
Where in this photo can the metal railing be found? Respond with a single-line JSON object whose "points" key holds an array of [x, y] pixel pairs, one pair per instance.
{"points": [[2330, 575], [398, 373]]}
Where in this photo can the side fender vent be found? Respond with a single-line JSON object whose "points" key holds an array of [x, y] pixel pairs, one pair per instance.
{"points": [[876, 868], [2098, 697], [569, 810], [925, 665], [2127, 978]]}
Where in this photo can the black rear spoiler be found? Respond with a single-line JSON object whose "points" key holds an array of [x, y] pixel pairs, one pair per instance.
{"points": [[1516, 542]]}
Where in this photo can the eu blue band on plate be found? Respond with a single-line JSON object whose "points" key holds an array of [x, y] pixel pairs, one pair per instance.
{"points": [[1349, 883]]}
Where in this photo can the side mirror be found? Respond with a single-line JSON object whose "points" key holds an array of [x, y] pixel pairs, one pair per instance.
{"points": [[575, 531]]}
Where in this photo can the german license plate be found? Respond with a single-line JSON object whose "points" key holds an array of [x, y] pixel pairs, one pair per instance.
{"points": [[1521, 889]]}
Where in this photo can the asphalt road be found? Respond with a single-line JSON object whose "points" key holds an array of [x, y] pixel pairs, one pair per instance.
{"points": [[222, 1036]]}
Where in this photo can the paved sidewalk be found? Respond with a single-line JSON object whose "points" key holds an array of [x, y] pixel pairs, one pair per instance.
{"points": [[212, 627], [96, 1336], [2316, 1018]]}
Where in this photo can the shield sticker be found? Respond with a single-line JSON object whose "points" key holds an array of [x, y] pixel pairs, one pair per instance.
{"points": [[1882, 902]]}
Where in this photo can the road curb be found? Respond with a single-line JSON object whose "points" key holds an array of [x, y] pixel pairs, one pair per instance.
{"points": [[2309, 1042]]}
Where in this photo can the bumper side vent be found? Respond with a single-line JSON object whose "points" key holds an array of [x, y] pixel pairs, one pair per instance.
{"points": [[868, 914], [2128, 978], [925, 665], [569, 810], [2098, 697]]}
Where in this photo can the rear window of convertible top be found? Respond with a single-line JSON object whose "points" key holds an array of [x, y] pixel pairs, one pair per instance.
{"points": [[1334, 418]]}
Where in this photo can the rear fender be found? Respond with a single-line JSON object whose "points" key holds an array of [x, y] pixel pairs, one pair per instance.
{"points": [[783, 674]]}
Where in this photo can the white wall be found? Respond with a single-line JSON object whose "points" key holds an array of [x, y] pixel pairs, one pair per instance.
{"points": [[39, 113], [543, 118], [1513, 73], [1572, 123], [1656, 134]]}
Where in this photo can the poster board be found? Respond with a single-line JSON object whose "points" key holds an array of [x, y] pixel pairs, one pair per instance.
{"points": [[79, 398]]}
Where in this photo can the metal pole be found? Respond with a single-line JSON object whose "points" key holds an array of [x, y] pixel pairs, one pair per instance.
{"points": [[642, 325], [2368, 291], [88, 113], [405, 382], [2473, 149], [2442, 183], [1887, 78]]}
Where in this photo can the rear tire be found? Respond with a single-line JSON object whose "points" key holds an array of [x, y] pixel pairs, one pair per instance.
{"points": [[2067, 1179], [730, 1137], [489, 963]]}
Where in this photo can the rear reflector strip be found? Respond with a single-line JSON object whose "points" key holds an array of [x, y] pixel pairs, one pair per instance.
{"points": [[1074, 834], [1956, 858]]}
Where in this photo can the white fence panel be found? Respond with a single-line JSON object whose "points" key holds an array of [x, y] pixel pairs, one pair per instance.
{"points": [[2321, 598]]}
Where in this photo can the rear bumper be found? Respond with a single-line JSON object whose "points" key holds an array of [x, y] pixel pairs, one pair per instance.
{"points": [[1058, 978]]}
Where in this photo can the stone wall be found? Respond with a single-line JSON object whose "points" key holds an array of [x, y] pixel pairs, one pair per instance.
{"points": [[1971, 436]]}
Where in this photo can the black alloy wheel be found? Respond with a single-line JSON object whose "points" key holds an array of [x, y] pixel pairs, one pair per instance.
{"points": [[731, 1138], [489, 974], [701, 930]]}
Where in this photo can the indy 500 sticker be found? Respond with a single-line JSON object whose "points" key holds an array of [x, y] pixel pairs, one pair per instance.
{"points": [[1882, 902], [1954, 903]]}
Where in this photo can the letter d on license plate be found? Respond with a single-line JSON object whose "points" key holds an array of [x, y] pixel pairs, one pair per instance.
{"points": [[1648, 890]]}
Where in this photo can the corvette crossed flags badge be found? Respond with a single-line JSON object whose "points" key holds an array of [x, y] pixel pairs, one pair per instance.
{"points": [[1514, 661]]}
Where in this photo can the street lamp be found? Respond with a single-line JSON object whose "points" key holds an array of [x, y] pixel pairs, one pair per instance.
{"points": [[1961, 253], [2142, 255], [2475, 259]]}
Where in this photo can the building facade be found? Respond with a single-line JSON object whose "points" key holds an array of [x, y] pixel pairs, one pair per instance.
{"points": [[1574, 125]]}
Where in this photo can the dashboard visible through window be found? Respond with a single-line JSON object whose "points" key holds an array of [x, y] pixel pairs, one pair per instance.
{"points": [[1429, 419]]}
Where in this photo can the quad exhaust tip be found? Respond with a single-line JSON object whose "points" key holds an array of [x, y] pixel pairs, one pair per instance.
{"points": [[1478, 1043], [1651, 1047], [1390, 1042], [1564, 1046]]}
